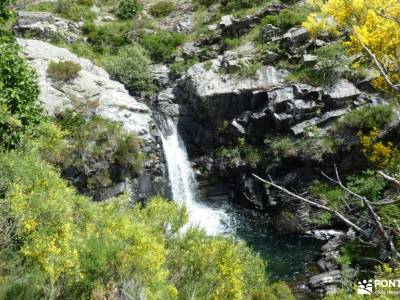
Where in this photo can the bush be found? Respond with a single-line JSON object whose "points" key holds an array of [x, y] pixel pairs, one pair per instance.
{"points": [[131, 67], [63, 70], [368, 184], [288, 17], [367, 118], [108, 38], [162, 9], [333, 64], [5, 12], [100, 152], [19, 93], [162, 46], [128, 8], [73, 10], [60, 245], [241, 151], [235, 5]]}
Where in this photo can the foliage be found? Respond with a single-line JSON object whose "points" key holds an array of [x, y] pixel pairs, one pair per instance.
{"points": [[250, 69], [377, 152], [73, 10], [311, 147], [234, 5], [370, 23], [127, 9], [333, 64], [368, 184], [131, 66], [367, 118], [63, 70], [242, 150], [331, 194], [288, 17], [162, 8], [108, 38], [99, 152], [18, 96], [162, 45], [5, 12], [63, 246]]}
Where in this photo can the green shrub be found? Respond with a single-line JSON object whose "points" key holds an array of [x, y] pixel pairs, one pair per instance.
{"points": [[288, 17], [108, 38], [73, 10], [367, 118], [368, 184], [127, 9], [333, 64], [19, 93], [241, 151], [162, 9], [131, 67], [235, 5], [5, 12], [63, 70], [332, 194], [100, 152], [162, 46], [60, 244]]}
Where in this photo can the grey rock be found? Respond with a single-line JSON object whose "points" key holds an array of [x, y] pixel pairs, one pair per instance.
{"points": [[296, 35], [226, 21], [214, 95], [269, 32], [327, 278], [46, 26], [165, 103], [309, 60], [93, 83], [270, 57], [342, 90], [161, 74], [326, 234]]}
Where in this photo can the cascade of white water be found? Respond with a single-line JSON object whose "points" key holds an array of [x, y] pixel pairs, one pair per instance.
{"points": [[183, 183]]}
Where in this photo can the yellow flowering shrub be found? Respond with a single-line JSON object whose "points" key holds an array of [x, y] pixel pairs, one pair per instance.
{"points": [[377, 152], [374, 22], [66, 247]]}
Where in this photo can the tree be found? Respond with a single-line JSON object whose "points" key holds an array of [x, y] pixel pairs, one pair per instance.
{"points": [[374, 31]]}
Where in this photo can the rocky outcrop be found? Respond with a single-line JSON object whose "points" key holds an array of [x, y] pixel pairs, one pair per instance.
{"points": [[93, 90], [46, 27]]}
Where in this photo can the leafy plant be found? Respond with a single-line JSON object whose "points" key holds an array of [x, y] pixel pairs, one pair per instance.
{"points": [[131, 67], [19, 93], [288, 17], [127, 9], [368, 184], [367, 118], [162, 9], [162, 46], [63, 70]]}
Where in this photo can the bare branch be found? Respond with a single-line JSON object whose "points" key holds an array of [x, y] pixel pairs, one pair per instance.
{"points": [[389, 178], [377, 63], [394, 19], [318, 205]]}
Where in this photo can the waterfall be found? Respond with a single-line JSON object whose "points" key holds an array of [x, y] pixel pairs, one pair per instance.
{"points": [[183, 183]]}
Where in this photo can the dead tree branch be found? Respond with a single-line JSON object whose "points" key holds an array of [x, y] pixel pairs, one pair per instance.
{"points": [[318, 205]]}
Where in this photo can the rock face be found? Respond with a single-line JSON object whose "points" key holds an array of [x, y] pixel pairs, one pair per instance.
{"points": [[108, 98], [92, 83], [46, 26]]}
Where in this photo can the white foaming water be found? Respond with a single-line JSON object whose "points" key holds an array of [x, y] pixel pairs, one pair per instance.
{"points": [[184, 186]]}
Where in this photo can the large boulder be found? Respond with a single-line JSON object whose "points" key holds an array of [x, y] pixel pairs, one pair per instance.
{"points": [[214, 95], [93, 90], [47, 27], [92, 83]]}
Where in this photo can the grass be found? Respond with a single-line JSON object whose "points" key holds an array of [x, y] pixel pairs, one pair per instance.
{"points": [[162, 9], [63, 70]]}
